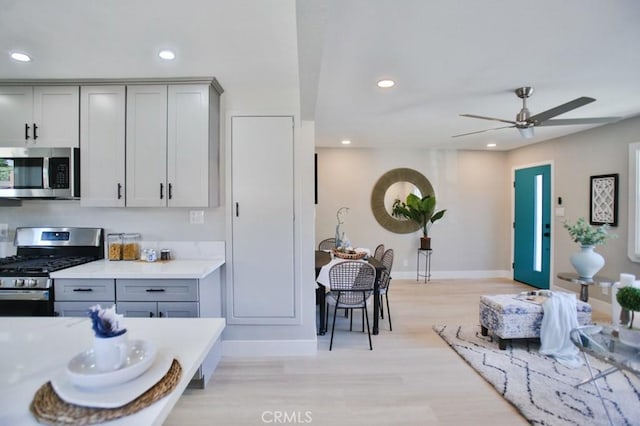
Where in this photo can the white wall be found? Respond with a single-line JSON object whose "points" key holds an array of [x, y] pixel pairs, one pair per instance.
{"points": [[471, 240]]}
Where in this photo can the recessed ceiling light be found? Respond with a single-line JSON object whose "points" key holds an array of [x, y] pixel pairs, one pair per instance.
{"points": [[386, 83], [491, 145], [346, 142], [167, 55], [22, 57]]}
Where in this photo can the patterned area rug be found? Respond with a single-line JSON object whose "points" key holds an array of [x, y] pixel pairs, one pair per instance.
{"points": [[541, 388]]}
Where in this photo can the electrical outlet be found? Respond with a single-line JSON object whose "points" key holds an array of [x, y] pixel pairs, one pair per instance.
{"points": [[196, 217]]}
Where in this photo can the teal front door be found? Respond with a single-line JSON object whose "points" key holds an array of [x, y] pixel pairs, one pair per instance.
{"points": [[532, 227]]}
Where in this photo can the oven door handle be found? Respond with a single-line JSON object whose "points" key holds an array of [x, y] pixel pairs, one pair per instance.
{"points": [[24, 295]]}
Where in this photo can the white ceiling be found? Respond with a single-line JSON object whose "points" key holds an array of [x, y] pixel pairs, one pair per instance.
{"points": [[448, 57]]}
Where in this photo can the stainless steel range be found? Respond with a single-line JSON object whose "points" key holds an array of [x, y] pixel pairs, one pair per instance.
{"points": [[25, 286]]}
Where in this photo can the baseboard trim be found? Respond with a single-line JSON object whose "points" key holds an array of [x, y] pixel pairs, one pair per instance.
{"points": [[260, 348], [407, 275]]}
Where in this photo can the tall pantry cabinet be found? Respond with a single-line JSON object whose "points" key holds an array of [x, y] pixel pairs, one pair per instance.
{"points": [[262, 196]]}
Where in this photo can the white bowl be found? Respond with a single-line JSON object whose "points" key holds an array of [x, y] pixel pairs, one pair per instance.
{"points": [[82, 370]]}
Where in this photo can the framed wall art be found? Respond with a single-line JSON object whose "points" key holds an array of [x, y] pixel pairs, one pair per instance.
{"points": [[603, 200]]}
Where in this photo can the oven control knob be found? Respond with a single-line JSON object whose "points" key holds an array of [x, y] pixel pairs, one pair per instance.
{"points": [[31, 282], [1, 283], [19, 283]]}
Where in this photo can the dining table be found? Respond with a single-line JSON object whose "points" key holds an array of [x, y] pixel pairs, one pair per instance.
{"points": [[323, 258]]}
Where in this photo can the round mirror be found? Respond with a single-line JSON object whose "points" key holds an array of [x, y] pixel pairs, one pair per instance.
{"points": [[393, 185], [399, 191]]}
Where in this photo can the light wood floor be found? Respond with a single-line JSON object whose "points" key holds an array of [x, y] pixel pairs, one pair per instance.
{"points": [[410, 378]]}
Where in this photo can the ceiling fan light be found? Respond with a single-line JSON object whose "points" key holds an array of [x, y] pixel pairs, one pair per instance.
{"points": [[526, 132]]}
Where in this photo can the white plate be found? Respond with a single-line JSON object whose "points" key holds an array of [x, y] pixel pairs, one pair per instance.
{"points": [[82, 370], [112, 396]]}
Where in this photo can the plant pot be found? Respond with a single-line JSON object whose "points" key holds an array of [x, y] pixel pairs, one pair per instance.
{"points": [[425, 243], [587, 262], [629, 336]]}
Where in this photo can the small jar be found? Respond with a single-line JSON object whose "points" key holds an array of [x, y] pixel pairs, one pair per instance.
{"points": [[152, 255], [114, 244], [131, 247], [165, 254]]}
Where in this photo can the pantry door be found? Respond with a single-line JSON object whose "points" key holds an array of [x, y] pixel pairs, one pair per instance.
{"points": [[532, 227]]}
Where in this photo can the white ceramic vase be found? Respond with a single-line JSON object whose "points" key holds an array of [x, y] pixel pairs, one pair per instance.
{"points": [[587, 262]]}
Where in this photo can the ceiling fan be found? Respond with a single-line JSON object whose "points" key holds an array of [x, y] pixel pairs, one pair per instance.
{"points": [[525, 122]]}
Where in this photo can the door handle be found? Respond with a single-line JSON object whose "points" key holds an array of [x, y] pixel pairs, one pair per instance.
{"points": [[26, 130], [161, 191], [35, 131], [546, 234], [237, 209], [119, 191], [170, 191]]}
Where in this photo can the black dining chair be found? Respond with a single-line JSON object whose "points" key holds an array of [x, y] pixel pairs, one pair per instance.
{"points": [[327, 244], [351, 284], [385, 281], [378, 252]]}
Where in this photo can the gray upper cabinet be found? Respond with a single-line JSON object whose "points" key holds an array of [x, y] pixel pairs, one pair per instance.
{"points": [[172, 145], [39, 116], [263, 287], [102, 146]]}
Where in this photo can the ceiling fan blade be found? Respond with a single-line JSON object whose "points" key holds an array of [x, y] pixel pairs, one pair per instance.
{"points": [[487, 118], [560, 109], [481, 131], [569, 121]]}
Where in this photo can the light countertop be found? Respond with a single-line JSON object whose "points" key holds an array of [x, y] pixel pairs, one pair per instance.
{"points": [[35, 349], [178, 269]]}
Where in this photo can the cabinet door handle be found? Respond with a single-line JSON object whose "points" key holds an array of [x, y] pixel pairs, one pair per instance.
{"points": [[150, 314], [155, 290], [170, 191], [35, 131], [161, 191], [26, 130], [119, 191], [237, 209], [82, 289], [160, 314]]}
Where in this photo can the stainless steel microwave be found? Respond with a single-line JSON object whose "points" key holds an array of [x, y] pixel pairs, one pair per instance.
{"points": [[40, 173]]}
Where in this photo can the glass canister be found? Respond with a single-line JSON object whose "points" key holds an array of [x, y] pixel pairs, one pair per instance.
{"points": [[130, 246], [114, 244]]}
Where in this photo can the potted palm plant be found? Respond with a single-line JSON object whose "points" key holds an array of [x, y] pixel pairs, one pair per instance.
{"points": [[420, 210], [629, 299]]}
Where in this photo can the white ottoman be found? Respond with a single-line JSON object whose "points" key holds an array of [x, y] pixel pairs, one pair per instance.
{"points": [[509, 318]]}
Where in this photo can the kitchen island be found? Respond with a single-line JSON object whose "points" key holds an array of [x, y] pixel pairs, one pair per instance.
{"points": [[34, 350]]}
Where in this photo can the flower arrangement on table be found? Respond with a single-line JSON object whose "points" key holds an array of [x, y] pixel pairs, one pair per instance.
{"points": [[341, 240], [106, 322], [586, 235]]}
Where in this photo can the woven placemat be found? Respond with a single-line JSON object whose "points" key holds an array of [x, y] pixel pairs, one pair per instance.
{"points": [[49, 408]]}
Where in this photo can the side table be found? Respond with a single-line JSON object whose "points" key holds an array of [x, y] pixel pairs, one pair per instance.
{"points": [[426, 253], [584, 282]]}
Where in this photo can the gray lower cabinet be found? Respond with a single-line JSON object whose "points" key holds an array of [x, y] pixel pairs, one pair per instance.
{"points": [[158, 309], [176, 298], [74, 297]]}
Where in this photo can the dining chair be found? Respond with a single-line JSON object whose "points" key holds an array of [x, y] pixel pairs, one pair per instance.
{"points": [[385, 281], [379, 251], [351, 284], [327, 244]]}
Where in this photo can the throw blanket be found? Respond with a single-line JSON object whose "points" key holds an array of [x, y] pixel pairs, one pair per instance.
{"points": [[560, 317]]}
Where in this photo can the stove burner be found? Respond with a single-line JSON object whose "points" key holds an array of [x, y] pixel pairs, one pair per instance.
{"points": [[24, 265]]}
